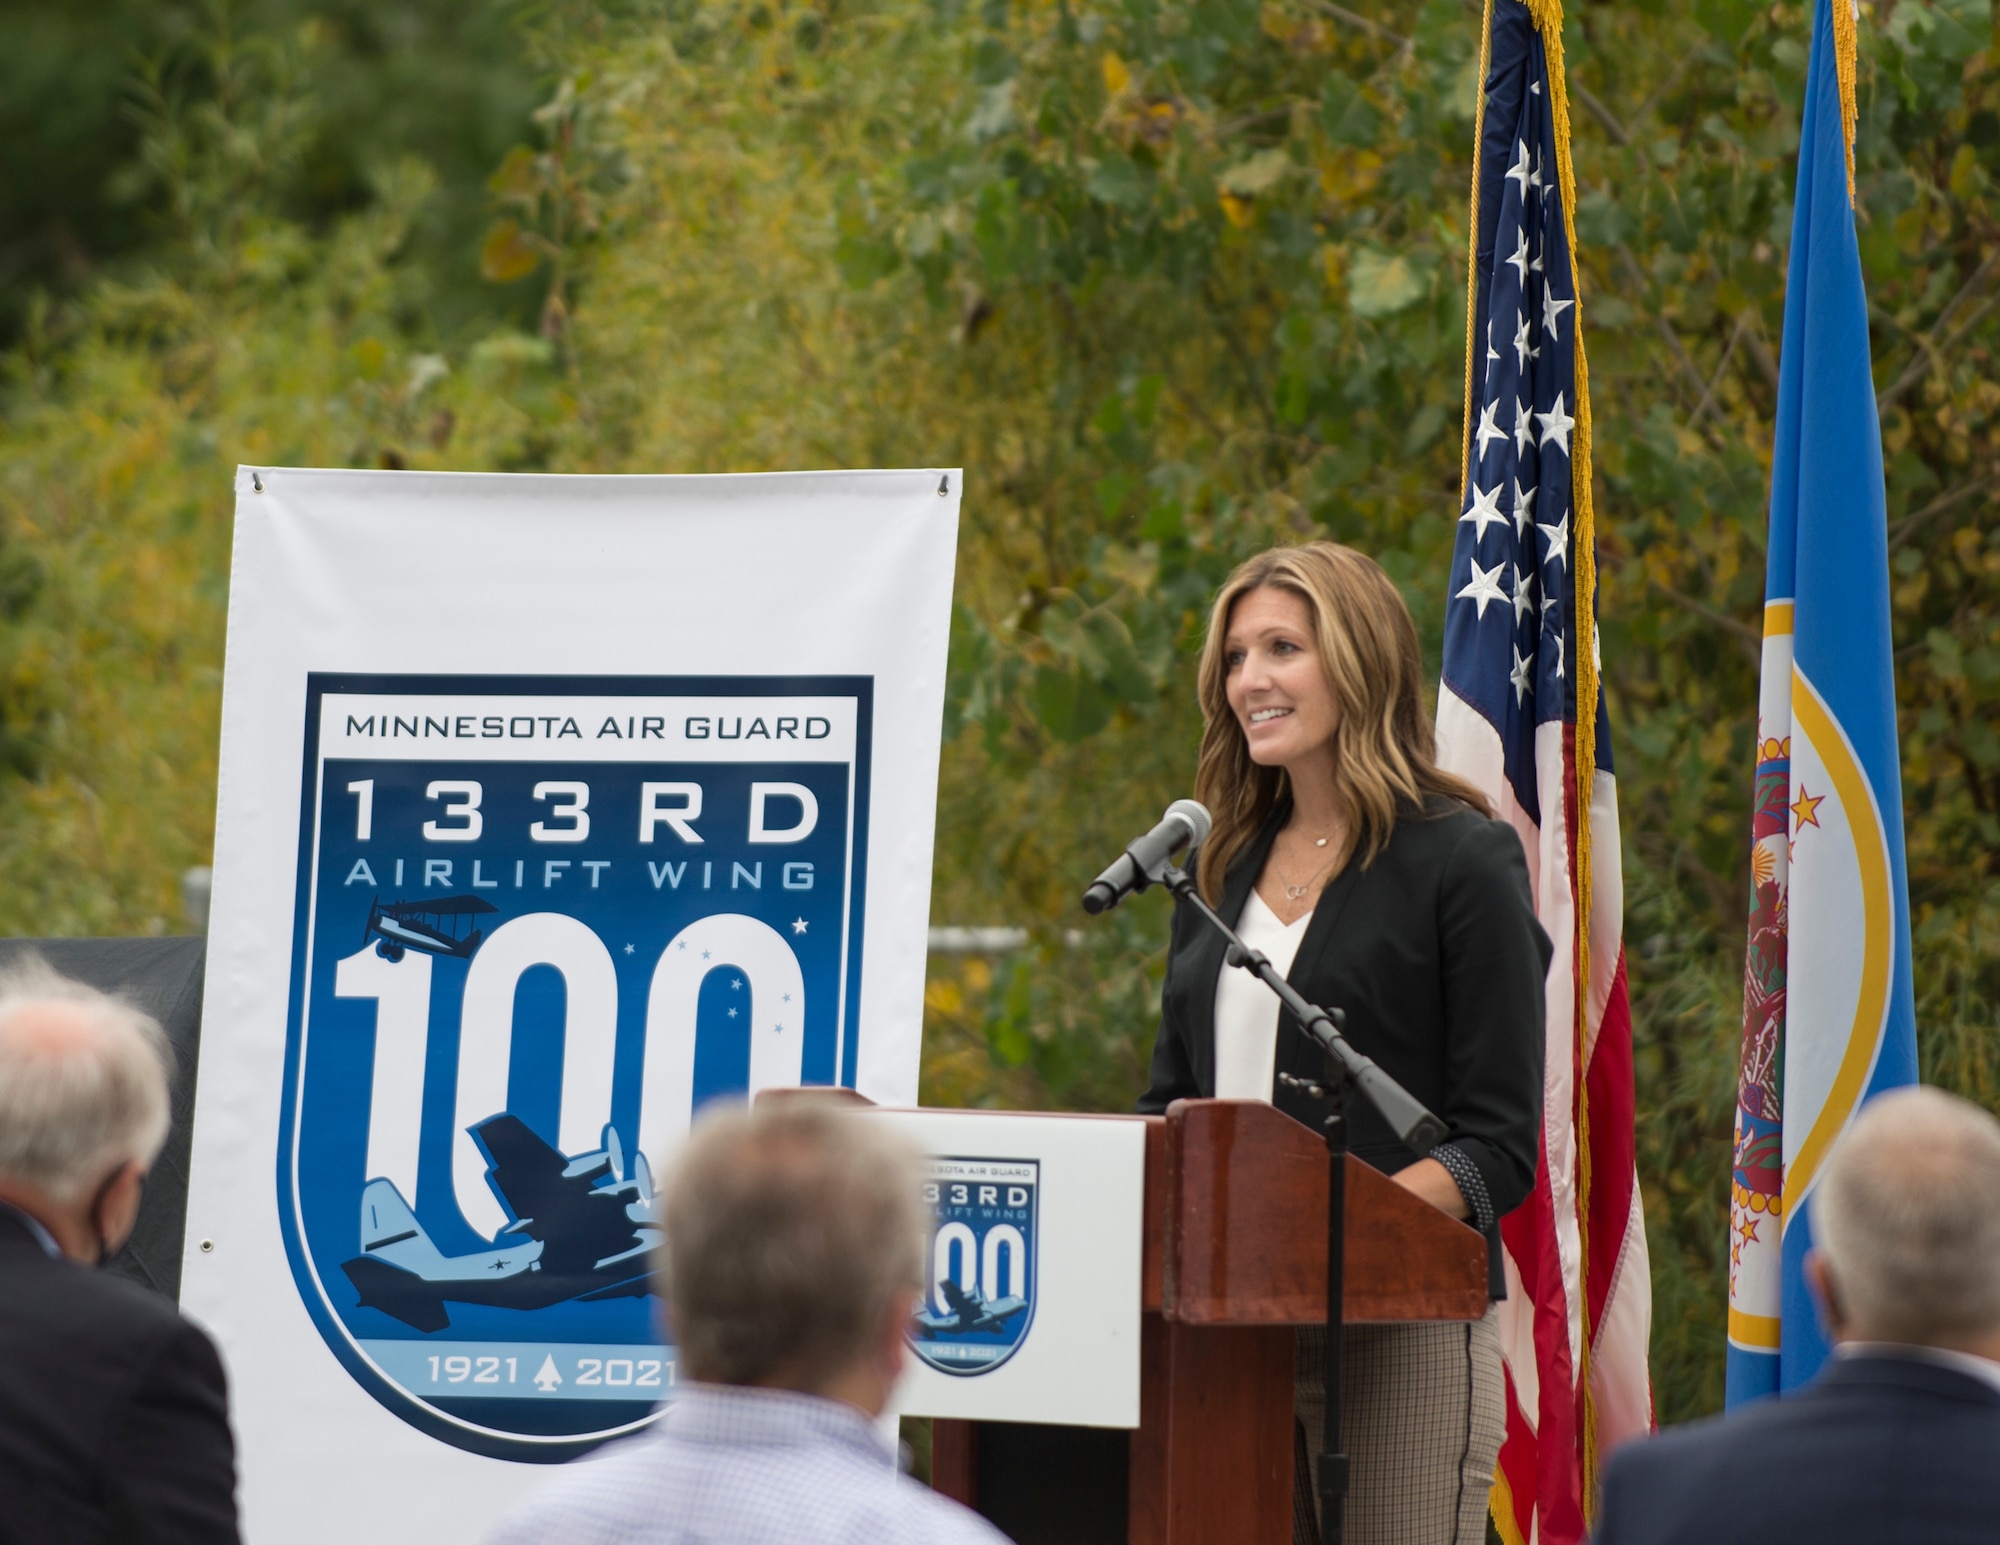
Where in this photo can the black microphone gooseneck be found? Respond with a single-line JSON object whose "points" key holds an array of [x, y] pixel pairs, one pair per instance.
{"points": [[1344, 1069]]}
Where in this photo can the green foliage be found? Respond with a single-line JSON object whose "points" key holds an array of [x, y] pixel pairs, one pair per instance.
{"points": [[1172, 280], [93, 92]]}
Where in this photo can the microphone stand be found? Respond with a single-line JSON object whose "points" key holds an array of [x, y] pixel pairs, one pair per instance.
{"points": [[1345, 1069]]}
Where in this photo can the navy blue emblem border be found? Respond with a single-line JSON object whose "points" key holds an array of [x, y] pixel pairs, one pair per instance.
{"points": [[526, 1448]]}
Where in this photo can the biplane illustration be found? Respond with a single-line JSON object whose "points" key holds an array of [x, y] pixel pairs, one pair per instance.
{"points": [[583, 1228], [441, 926]]}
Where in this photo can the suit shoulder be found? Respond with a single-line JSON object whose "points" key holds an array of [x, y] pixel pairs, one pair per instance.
{"points": [[1447, 832], [1685, 1462], [62, 1297]]}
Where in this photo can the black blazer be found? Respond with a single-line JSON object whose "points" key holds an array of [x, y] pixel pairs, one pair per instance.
{"points": [[114, 1418], [1876, 1449], [1434, 953]]}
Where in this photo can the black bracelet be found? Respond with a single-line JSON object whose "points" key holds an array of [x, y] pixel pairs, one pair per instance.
{"points": [[1471, 1184]]}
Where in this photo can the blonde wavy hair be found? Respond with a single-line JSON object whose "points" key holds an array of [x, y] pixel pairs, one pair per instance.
{"points": [[1384, 752]]}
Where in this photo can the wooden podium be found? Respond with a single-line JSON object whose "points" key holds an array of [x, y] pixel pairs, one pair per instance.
{"points": [[1235, 1257]]}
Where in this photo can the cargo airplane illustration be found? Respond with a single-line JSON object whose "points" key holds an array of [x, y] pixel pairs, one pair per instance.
{"points": [[583, 1228], [969, 1312]]}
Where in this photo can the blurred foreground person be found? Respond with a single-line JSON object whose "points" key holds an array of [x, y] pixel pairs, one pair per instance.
{"points": [[114, 1416], [1898, 1439], [794, 1255]]}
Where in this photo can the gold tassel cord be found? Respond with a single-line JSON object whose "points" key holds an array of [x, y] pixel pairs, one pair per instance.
{"points": [[1548, 19], [1472, 246]]}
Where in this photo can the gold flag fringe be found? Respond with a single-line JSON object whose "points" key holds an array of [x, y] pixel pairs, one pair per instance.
{"points": [[1846, 44]]}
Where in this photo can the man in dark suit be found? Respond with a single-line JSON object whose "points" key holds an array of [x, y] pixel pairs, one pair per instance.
{"points": [[114, 1419], [1899, 1438]]}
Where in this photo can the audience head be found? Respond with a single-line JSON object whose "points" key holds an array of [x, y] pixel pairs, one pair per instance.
{"points": [[1907, 1217], [83, 1106], [794, 1249]]}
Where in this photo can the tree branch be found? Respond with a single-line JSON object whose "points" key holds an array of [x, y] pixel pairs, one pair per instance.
{"points": [[1750, 638], [1930, 353], [1601, 113], [1356, 19], [1905, 528], [1721, 365], [1665, 328]]}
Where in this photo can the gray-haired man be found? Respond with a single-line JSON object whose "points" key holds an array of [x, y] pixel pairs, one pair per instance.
{"points": [[793, 1258], [114, 1419], [1898, 1438]]}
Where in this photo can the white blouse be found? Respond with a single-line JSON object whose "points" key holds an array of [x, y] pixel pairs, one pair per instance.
{"points": [[1246, 1011]]}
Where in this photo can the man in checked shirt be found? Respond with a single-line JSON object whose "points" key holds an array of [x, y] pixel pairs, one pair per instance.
{"points": [[794, 1256]]}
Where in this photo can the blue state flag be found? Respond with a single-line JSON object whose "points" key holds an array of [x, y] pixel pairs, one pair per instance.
{"points": [[1829, 1013]]}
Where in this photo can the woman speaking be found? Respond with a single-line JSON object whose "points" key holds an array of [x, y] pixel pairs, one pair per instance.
{"points": [[1377, 883]]}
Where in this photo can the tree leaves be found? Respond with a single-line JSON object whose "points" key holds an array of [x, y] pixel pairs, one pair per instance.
{"points": [[1380, 284]]}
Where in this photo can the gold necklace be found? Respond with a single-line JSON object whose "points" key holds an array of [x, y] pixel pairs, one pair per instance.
{"points": [[1296, 892]]}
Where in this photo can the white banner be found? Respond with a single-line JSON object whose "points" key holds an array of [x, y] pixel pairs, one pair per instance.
{"points": [[549, 807]]}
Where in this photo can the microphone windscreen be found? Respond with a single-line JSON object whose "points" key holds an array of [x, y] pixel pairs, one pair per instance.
{"points": [[1196, 815]]}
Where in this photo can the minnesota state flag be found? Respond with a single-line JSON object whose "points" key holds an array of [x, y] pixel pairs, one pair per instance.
{"points": [[1829, 1016]]}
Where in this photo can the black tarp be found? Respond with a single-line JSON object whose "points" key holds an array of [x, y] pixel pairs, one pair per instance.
{"points": [[163, 977]]}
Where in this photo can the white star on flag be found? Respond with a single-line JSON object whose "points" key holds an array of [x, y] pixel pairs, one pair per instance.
{"points": [[1552, 309], [1521, 342], [1518, 677], [1484, 586], [1556, 425], [1524, 508], [1484, 510], [1558, 536], [1524, 433], [1519, 257], [1519, 170], [1488, 430], [1524, 599]]}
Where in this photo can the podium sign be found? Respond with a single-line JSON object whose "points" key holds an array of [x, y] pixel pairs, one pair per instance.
{"points": [[549, 808], [1032, 1309]]}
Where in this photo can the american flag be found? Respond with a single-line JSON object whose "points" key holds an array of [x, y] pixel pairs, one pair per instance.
{"points": [[1519, 660]]}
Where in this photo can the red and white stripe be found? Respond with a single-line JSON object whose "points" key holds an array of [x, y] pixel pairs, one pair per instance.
{"points": [[1579, 1241]]}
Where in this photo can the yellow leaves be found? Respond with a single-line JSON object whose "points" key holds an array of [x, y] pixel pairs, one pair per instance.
{"points": [[1896, 429], [1241, 185], [1350, 176], [1333, 261], [1129, 118], [1260, 174], [1302, 35], [508, 253], [1380, 283], [1966, 179], [370, 354], [518, 177]]}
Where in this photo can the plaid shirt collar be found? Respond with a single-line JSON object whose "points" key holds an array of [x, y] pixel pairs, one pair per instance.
{"points": [[737, 1416]]}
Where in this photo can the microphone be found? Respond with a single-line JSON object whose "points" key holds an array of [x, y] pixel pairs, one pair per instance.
{"points": [[1185, 825]]}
